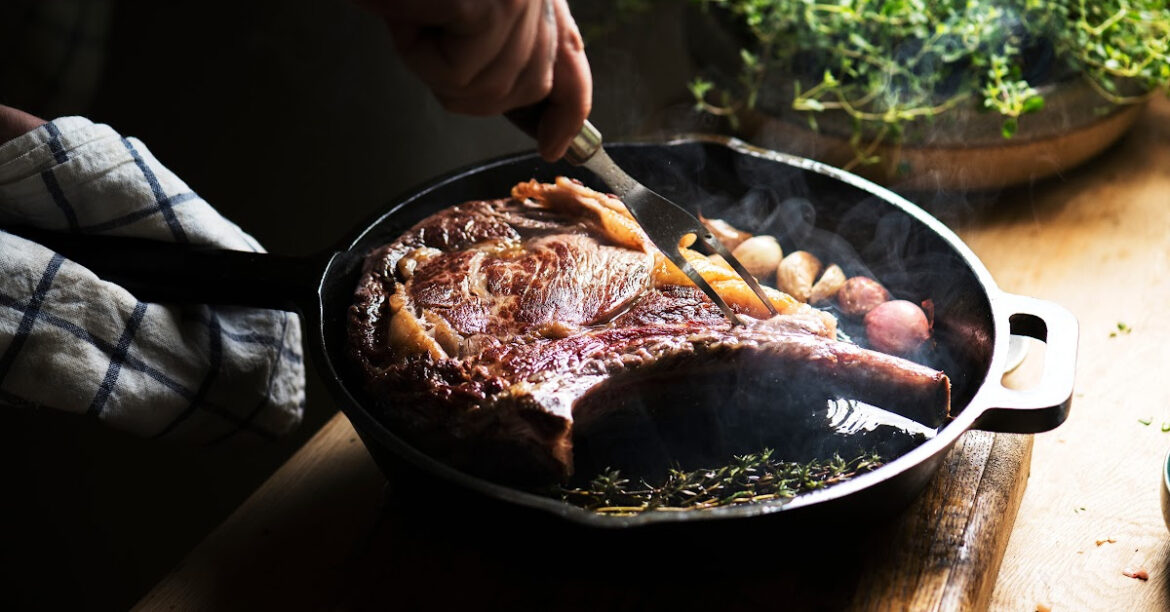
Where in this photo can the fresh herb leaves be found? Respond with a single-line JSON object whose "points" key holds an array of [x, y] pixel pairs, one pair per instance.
{"points": [[748, 478], [886, 64]]}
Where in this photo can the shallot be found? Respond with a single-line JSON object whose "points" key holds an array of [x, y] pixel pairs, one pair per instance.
{"points": [[897, 327], [859, 295]]}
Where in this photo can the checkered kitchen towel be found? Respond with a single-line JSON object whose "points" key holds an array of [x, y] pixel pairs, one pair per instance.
{"points": [[73, 342]]}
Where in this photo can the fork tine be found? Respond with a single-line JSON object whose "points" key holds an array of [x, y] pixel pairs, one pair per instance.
{"points": [[666, 224], [712, 243], [675, 256]]}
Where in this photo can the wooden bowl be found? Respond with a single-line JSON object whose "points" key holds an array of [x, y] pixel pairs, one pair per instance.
{"points": [[965, 151]]}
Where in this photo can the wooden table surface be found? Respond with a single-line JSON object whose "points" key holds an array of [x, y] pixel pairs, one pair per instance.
{"points": [[1099, 244], [1096, 241]]}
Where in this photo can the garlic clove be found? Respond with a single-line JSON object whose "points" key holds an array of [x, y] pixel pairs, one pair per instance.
{"points": [[829, 284], [796, 273], [760, 255]]}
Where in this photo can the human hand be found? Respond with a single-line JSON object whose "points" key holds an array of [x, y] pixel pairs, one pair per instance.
{"points": [[14, 122], [485, 57]]}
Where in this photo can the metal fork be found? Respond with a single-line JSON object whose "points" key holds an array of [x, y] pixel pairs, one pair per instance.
{"points": [[665, 223]]}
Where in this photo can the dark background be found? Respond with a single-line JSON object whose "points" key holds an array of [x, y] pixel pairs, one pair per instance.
{"points": [[297, 122]]}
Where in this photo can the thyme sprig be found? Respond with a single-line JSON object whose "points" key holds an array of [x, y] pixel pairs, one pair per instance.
{"points": [[747, 478]]}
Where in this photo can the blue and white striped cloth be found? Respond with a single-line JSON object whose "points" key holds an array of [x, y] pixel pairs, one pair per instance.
{"points": [[70, 341]]}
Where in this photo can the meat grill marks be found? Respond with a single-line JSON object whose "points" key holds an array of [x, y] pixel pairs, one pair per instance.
{"points": [[480, 328]]}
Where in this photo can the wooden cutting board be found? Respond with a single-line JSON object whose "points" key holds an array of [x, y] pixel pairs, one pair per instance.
{"points": [[326, 531]]}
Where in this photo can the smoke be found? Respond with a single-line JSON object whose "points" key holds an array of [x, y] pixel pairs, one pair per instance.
{"points": [[645, 426], [745, 410]]}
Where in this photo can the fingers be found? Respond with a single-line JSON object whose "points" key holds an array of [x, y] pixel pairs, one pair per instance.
{"points": [[485, 57], [520, 75], [442, 13], [535, 82], [449, 50], [14, 122], [571, 97]]}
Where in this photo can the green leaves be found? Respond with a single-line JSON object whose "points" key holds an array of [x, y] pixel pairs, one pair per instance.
{"points": [[892, 62], [1010, 125], [699, 88], [746, 478], [1032, 104], [1122, 328]]}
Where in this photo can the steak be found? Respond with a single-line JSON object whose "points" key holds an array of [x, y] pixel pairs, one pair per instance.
{"points": [[490, 330]]}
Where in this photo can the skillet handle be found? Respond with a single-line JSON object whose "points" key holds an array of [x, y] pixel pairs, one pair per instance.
{"points": [[1045, 405], [157, 271]]}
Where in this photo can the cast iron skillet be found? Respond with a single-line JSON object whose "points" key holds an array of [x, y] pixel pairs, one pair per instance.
{"points": [[809, 205]]}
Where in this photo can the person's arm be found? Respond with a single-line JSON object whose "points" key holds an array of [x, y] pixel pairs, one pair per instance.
{"points": [[485, 57], [15, 123]]}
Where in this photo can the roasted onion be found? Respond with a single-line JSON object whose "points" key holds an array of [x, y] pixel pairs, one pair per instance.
{"points": [[897, 327], [859, 295]]}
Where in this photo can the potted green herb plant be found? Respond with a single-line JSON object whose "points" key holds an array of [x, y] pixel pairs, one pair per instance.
{"points": [[945, 94]]}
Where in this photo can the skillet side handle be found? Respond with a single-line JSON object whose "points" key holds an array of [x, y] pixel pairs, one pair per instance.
{"points": [[166, 272], [1045, 405]]}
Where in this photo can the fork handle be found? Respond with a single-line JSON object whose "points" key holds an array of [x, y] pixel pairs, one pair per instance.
{"points": [[584, 144]]}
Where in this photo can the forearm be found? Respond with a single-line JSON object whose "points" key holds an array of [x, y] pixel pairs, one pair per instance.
{"points": [[15, 123]]}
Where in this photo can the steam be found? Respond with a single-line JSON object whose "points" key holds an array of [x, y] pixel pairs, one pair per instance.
{"points": [[689, 422]]}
